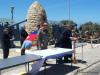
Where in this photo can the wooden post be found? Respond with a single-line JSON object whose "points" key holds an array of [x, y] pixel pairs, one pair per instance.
{"points": [[74, 60]]}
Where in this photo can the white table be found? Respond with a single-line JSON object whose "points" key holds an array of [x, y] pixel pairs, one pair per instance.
{"points": [[53, 53]]}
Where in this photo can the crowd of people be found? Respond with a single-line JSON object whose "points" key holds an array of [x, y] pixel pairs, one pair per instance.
{"points": [[42, 36]]}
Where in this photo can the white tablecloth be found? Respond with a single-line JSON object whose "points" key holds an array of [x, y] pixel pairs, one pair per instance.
{"points": [[48, 54]]}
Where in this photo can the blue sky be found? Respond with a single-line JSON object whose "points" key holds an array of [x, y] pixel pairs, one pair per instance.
{"points": [[81, 10]]}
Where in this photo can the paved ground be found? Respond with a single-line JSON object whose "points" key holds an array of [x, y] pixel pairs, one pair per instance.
{"points": [[95, 70], [90, 55], [91, 70], [91, 58]]}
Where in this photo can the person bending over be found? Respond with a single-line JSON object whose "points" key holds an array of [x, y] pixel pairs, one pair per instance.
{"points": [[28, 41]]}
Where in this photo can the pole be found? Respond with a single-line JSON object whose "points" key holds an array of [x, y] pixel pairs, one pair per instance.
{"points": [[91, 42], [82, 52], [12, 15], [74, 60], [68, 12]]}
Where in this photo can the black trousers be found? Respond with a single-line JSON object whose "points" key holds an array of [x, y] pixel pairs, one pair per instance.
{"points": [[5, 52], [21, 42], [67, 56], [59, 60]]}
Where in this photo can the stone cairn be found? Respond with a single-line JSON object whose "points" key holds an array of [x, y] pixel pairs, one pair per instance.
{"points": [[36, 16]]}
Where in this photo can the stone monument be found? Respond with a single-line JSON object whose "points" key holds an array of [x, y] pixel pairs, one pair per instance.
{"points": [[36, 16]]}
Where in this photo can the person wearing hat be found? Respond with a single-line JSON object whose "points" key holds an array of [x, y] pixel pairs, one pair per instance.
{"points": [[5, 41]]}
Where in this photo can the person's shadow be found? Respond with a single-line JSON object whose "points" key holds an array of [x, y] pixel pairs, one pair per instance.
{"points": [[57, 69], [82, 61]]}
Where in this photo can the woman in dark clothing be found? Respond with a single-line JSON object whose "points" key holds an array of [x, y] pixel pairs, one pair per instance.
{"points": [[5, 43]]}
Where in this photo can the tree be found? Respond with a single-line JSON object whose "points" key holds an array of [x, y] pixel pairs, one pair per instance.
{"points": [[65, 22], [93, 29]]}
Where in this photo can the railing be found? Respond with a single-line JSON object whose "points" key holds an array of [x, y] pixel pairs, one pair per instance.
{"points": [[94, 41]]}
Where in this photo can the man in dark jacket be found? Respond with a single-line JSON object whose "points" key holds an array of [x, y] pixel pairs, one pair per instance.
{"points": [[65, 41], [5, 41], [24, 34]]}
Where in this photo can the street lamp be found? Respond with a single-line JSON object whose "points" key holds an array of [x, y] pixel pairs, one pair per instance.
{"points": [[11, 28], [12, 8]]}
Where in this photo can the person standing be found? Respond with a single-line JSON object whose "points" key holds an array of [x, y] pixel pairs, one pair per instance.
{"points": [[43, 37], [5, 41], [24, 34], [65, 41]]}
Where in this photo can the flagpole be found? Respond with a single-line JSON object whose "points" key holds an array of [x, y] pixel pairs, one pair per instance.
{"points": [[74, 60], [68, 12]]}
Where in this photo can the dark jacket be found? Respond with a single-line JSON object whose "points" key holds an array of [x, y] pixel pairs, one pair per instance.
{"points": [[64, 40], [24, 34], [5, 41]]}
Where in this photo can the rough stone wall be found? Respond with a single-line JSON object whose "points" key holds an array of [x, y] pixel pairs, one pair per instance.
{"points": [[36, 16]]}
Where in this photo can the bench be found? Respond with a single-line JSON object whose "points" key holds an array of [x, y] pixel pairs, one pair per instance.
{"points": [[18, 60]]}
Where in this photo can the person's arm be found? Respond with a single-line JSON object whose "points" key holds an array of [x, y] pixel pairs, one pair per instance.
{"points": [[69, 35], [73, 38], [11, 39]]}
